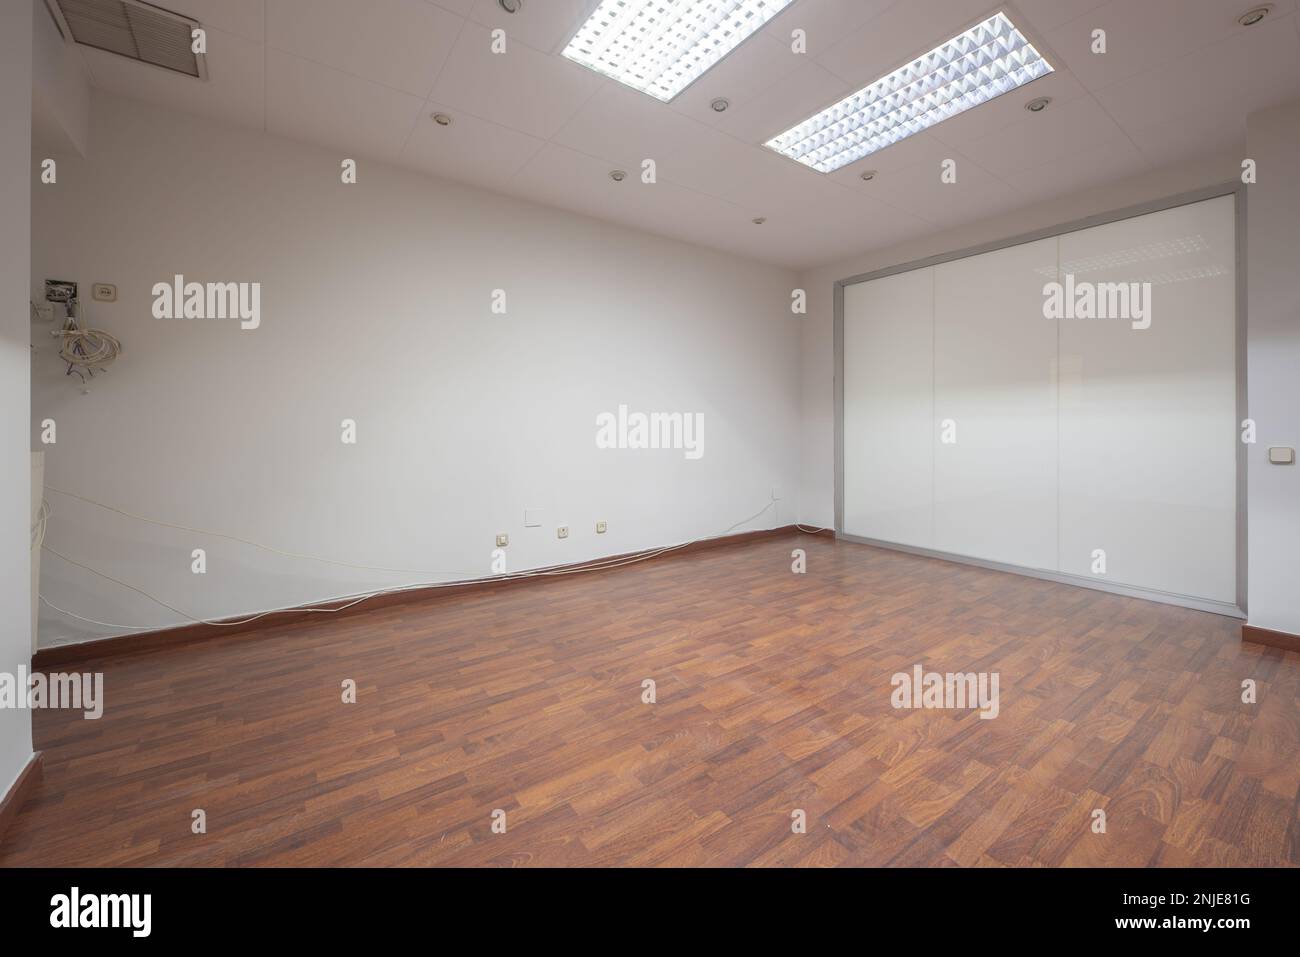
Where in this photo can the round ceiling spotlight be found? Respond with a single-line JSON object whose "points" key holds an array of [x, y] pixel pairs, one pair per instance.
{"points": [[720, 104], [511, 6], [1038, 105], [1252, 17], [617, 175], [869, 175], [442, 119], [759, 220]]}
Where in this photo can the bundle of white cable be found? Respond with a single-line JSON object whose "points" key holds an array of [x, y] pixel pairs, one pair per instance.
{"points": [[87, 348]]}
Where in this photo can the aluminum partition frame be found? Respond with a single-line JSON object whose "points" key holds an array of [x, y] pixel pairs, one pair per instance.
{"points": [[1236, 190]]}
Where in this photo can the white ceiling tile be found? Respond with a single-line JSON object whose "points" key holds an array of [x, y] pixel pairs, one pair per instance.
{"points": [[529, 91], [621, 124], [232, 93], [244, 18], [1140, 36], [825, 22], [1080, 169], [1178, 81], [307, 101], [805, 90], [471, 150], [743, 77], [574, 181], [1215, 128], [919, 190], [902, 32], [919, 148], [545, 26], [1043, 15], [1034, 139], [1248, 70], [399, 43], [462, 7]]}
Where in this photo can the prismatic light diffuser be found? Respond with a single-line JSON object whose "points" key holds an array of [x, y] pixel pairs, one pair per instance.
{"points": [[986, 61], [661, 47]]}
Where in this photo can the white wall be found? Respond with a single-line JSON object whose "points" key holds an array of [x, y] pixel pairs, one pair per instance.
{"points": [[375, 307], [15, 371], [1273, 360], [817, 443], [60, 89]]}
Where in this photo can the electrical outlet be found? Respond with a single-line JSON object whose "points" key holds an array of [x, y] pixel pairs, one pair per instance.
{"points": [[44, 311], [776, 493], [503, 541], [601, 528], [103, 292], [562, 531]]}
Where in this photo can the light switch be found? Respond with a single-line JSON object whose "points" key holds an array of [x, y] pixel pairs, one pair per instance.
{"points": [[1280, 455], [532, 518]]}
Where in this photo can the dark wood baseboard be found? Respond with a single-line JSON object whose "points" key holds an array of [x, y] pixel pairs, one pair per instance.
{"points": [[1267, 636], [12, 801], [59, 655]]}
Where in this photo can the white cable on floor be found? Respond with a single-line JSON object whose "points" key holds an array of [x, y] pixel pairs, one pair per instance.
{"points": [[357, 598]]}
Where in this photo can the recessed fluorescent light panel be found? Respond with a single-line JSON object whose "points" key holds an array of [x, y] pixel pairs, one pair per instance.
{"points": [[986, 61], [661, 47]]}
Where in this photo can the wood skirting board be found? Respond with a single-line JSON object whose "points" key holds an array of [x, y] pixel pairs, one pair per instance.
{"points": [[183, 634], [11, 803], [1267, 636]]}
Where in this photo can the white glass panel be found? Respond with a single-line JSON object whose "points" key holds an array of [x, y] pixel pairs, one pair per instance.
{"points": [[888, 408], [1148, 416], [995, 389]]}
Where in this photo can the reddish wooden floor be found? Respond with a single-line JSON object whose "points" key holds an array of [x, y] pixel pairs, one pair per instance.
{"points": [[773, 694]]}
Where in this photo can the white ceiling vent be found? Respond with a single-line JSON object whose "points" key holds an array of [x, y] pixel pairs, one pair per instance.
{"points": [[133, 29]]}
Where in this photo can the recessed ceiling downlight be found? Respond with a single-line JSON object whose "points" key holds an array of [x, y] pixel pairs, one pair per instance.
{"points": [[986, 61], [1038, 105], [869, 175], [1252, 17], [661, 47], [442, 119], [511, 6], [720, 104], [617, 175]]}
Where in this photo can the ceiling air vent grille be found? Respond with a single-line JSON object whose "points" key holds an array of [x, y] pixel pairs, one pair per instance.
{"points": [[133, 29]]}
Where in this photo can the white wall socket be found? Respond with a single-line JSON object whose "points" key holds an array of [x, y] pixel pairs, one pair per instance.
{"points": [[601, 528], [503, 541], [562, 531]]}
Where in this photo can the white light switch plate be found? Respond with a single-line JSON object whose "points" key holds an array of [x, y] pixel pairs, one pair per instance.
{"points": [[532, 518], [1280, 455]]}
